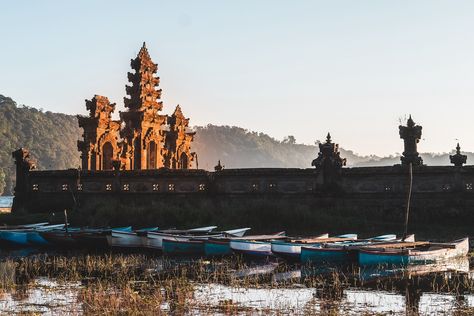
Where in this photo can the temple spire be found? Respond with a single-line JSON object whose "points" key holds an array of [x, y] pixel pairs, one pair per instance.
{"points": [[143, 92]]}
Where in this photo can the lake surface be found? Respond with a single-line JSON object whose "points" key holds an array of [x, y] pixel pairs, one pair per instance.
{"points": [[193, 286], [6, 201]]}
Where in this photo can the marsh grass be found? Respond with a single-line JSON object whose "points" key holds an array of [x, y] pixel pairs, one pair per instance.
{"points": [[141, 284]]}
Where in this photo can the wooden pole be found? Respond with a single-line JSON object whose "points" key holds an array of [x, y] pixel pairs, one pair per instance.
{"points": [[410, 185], [65, 219]]}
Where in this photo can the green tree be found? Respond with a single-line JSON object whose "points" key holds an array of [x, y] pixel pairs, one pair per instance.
{"points": [[2, 181]]}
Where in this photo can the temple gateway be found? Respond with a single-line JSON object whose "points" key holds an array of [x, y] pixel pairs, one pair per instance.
{"points": [[142, 138]]}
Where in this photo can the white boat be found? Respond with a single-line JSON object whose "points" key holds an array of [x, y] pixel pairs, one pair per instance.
{"points": [[258, 247], [127, 239], [291, 249], [154, 240]]}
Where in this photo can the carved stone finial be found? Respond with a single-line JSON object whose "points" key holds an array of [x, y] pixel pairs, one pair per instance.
{"points": [[328, 138], [328, 156], [219, 167], [458, 159], [411, 135]]}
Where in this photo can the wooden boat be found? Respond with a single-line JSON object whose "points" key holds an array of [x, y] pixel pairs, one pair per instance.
{"points": [[258, 246], [220, 246], [23, 226], [79, 237], [407, 253], [34, 237], [60, 237], [184, 246], [338, 252], [154, 239], [194, 245], [19, 237], [95, 237], [14, 238], [290, 250], [127, 239]]}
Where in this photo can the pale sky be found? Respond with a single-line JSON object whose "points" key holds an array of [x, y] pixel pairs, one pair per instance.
{"points": [[299, 68]]}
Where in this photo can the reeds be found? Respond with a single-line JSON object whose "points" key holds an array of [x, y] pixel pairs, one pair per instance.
{"points": [[141, 284]]}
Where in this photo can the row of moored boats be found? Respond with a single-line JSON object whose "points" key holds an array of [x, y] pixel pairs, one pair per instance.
{"points": [[207, 241]]}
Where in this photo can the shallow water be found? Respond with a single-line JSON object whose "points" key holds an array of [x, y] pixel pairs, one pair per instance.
{"points": [[279, 289], [6, 201], [48, 297]]}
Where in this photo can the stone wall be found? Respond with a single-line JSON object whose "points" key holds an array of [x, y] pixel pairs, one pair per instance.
{"points": [[365, 200], [56, 190]]}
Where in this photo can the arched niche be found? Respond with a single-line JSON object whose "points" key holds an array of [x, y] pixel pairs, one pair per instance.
{"points": [[152, 155], [183, 161], [107, 156]]}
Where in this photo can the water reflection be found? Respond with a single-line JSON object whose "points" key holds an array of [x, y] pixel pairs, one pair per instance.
{"points": [[424, 289]]}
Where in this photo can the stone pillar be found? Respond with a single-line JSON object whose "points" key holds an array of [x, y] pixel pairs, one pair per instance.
{"points": [[411, 135], [23, 166]]}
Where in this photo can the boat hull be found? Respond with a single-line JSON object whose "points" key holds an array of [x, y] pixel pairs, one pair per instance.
{"points": [[369, 257], [287, 250], [183, 247], [252, 249], [216, 248], [317, 255], [35, 239], [14, 238], [124, 240]]}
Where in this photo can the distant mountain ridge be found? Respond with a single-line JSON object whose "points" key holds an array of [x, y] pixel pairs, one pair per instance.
{"points": [[52, 141]]}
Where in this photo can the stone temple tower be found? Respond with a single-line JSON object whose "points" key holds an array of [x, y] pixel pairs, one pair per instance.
{"points": [[411, 135]]}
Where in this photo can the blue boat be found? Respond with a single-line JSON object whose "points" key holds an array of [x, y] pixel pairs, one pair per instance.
{"points": [[184, 246], [34, 237], [290, 250], [217, 247], [338, 253], [19, 237], [14, 238], [195, 245]]}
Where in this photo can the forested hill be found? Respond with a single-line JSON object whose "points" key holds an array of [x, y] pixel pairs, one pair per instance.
{"points": [[50, 137], [239, 148], [52, 141]]}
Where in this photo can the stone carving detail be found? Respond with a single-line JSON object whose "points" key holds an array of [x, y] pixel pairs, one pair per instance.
{"points": [[23, 161], [458, 159], [329, 156], [411, 135], [99, 147], [143, 138], [178, 141]]}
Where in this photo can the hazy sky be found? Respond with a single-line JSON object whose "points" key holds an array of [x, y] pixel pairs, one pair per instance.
{"points": [[304, 68]]}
